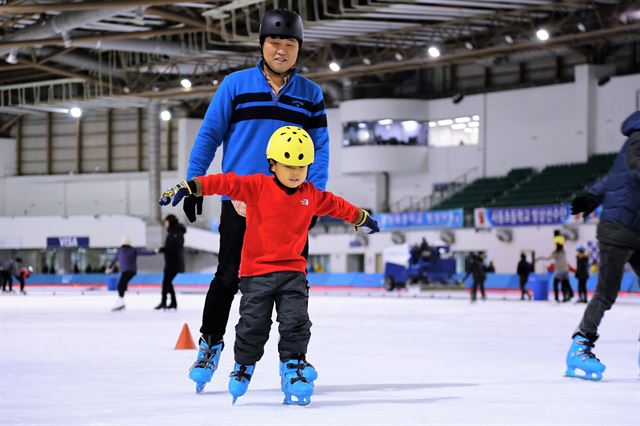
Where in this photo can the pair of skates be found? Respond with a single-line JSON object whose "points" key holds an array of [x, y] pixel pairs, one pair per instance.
{"points": [[296, 375]]}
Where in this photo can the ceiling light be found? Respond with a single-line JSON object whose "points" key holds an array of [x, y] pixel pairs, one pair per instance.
{"points": [[542, 34], [446, 122], [214, 82], [410, 125], [362, 125], [508, 39], [75, 112], [13, 56], [385, 121], [468, 45], [462, 119], [581, 27], [476, 118], [474, 124], [186, 83], [366, 61], [433, 51], [432, 124], [165, 115], [398, 56], [334, 66]]}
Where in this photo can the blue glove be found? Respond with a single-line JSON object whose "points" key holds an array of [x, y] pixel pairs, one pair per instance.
{"points": [[178, 192], [368, 225]]}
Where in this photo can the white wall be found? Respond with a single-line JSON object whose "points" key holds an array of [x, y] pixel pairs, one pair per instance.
{"points": [[614, 102]]}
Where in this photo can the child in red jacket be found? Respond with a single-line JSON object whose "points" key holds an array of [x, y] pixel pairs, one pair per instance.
{"points": [[272, 268]]}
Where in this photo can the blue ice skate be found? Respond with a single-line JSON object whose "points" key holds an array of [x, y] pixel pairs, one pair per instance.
{"points": [[582, 359], [240, 378], [208, 357], [296, 380]]}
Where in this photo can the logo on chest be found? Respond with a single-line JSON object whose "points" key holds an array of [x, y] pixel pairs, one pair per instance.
{"points": [[304, 202]]}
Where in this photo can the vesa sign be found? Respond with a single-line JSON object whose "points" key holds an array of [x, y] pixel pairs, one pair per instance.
{"points": [[67, 242]]}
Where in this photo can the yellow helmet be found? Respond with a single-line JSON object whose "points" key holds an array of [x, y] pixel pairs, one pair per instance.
{"points": [[291, 146]]}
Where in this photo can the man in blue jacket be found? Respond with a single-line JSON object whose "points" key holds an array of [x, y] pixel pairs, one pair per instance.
{"points": [[619, 238], [247, 108]]}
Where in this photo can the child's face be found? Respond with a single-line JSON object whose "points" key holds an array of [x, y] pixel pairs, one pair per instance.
{"points": [[290, 176]]}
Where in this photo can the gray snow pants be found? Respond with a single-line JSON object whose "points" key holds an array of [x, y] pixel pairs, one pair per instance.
{"points": [[290, 293], [612, 260]]}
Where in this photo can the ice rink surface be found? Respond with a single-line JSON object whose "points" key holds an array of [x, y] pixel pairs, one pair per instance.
{"points": [[67, 360]]}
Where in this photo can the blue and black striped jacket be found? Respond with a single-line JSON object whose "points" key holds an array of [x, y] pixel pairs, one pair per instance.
{"points": [[244, 113]]}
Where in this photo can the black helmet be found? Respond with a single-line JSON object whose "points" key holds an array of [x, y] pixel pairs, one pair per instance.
{"points": [[281, 23]]}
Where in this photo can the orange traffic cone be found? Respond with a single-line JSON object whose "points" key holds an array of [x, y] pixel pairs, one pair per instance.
{"points": [[185, 341]]}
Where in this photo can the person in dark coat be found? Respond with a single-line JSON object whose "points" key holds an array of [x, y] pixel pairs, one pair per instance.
{"points": [[582, 274], [127, 258], [478, 271], [618, 236], [173, 259], [524, 269], [9, 270]]}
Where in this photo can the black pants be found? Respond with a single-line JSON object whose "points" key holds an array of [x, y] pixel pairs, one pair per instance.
{"points": [[290, 293], [21, 280], [224, 286], [167, 286], [6, 278], [567, 291], [123, 281], [582, 289], [474, 289], [523, 287], [612, 260]]}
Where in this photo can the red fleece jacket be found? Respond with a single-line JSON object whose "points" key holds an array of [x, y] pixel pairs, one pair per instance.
{"points": [[277, 222]]}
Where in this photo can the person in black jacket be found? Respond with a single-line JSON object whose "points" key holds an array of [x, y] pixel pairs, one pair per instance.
{"points": [[582, 274], [524, 269], [173, 259], [478, 271]]}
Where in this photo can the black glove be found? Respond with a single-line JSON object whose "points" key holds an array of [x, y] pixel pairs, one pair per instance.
{"points": [[176, 193], [584, 204], [191, 205], [368, 225]]}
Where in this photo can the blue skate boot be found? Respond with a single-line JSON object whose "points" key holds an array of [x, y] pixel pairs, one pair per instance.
{"points": [[208, 358], [240, 378], [296, 380], [581, 358]]}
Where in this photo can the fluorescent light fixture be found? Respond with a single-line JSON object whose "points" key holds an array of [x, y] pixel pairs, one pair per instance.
{"points": [[432, 124], [446, 122], [186, 83], [542, 34], [468, 45], [385, 121], [462, 119], [433, 51], [474, 124], [398, 56], [362, 125], [476, 118], [12, 58], [366, 61], [215, 82], [508, 39], [410, 125], [581, 27], [459, 126], [75, 112], [334, 66], [165, 115]]}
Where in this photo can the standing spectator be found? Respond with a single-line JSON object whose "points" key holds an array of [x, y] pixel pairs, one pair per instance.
{"points": [[477, 270], [560, 272], [10, 269], [582, 274], [491, 268], [249, 104], [524, 269], [127, 257], [619, 239], [173, 259]]}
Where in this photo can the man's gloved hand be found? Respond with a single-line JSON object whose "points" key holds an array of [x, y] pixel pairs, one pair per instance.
{"points": [[176, 193], [367, 224], [192, 205], [584, 204]]}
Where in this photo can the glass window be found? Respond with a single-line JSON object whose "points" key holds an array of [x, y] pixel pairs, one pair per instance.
{"points": [[457, 131]]}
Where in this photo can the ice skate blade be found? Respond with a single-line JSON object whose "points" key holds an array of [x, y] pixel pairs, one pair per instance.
{"points": [[594, 377], [200, 387], [235, 398], [118, 309], [301, 400]]}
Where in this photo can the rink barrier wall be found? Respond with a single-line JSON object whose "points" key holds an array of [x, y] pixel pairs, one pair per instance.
{"points": [[352, 279]]}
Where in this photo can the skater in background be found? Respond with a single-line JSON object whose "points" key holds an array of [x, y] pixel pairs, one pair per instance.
{"points": [[22, 275], [250, 103], [582, 273], [524, 269], [10, 269], [273, 268], [127, 258], [560, 271], [618, 236], [173, 251], [478, 271]]}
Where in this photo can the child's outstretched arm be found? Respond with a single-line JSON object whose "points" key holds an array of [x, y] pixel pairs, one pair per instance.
{"points": [[335, 206], [241, 188]]}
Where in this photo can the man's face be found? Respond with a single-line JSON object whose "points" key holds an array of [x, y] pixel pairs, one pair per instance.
{"points": [[281, 54], [290, 176]]}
